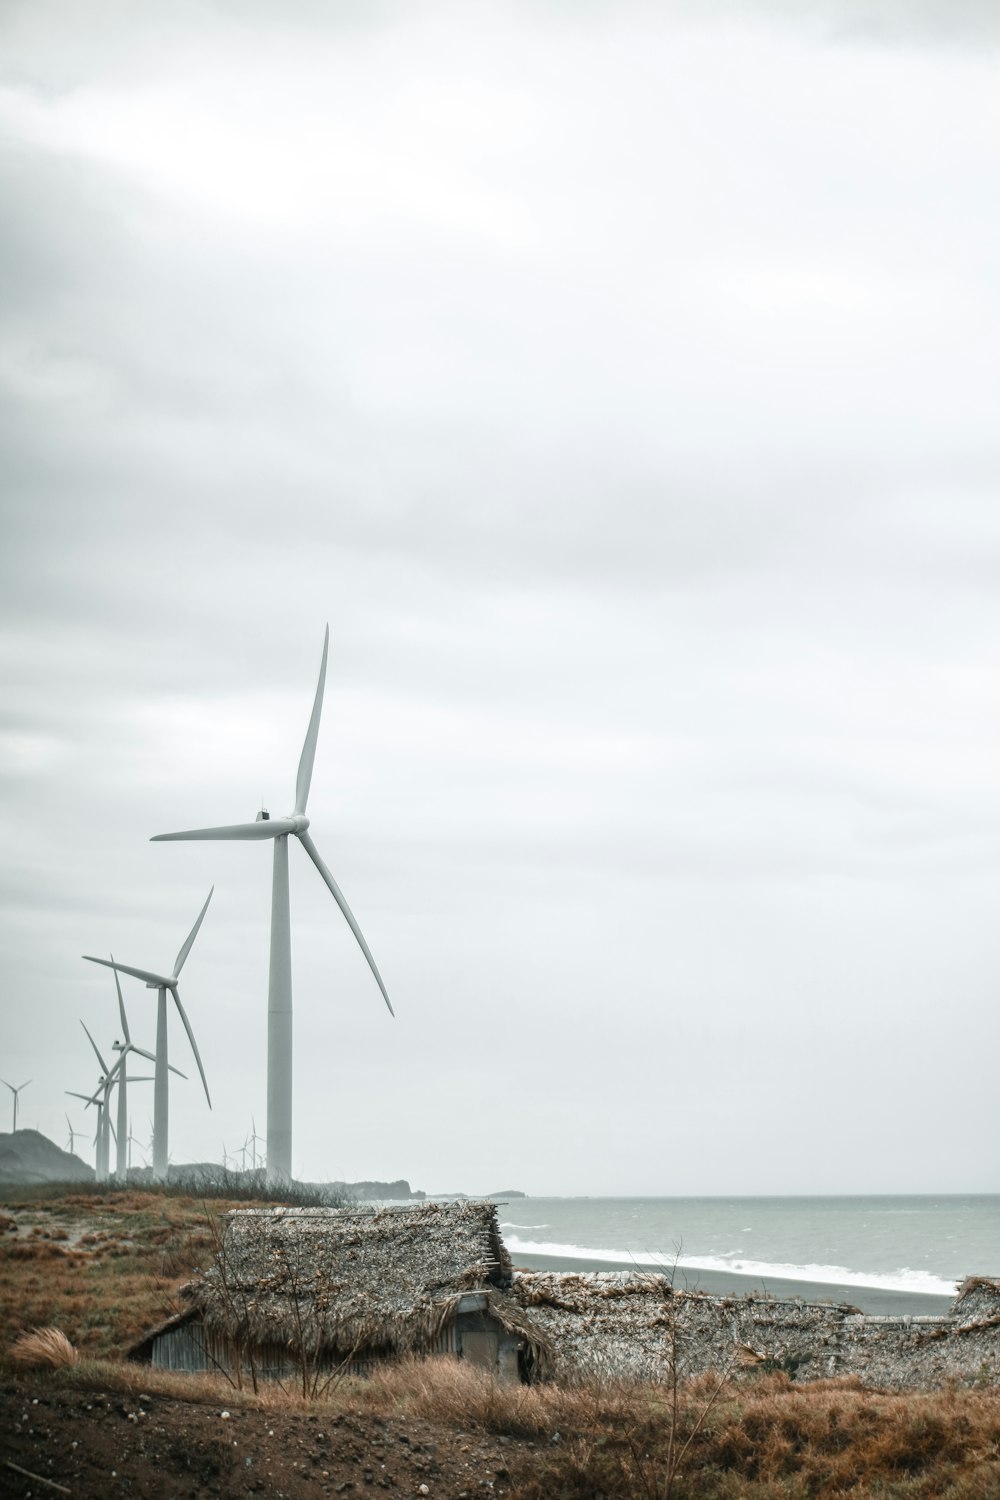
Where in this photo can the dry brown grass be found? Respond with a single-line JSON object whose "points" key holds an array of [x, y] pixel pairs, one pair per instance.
{"points": [[105, 1270], [44, 1348], [766, 1438]]}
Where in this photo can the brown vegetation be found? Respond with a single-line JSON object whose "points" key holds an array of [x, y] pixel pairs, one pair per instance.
{"points": [[104, 1270], [117, 1272], [463, 1434], [43, 1348]]}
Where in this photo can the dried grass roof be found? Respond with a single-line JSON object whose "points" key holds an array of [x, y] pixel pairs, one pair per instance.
{"points": [[636, 1324], [348, 1280], [977, 1305]]}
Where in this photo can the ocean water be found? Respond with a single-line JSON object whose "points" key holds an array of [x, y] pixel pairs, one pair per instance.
{"points": [[918, 1246]]}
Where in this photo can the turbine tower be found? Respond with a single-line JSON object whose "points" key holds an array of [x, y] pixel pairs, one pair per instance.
{"points": [[162, 983], [279, 992], [15, 1092]]}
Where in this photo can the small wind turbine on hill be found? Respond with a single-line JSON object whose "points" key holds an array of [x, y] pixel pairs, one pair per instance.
{"points": [[71, 1143], [15, 1092], [279, 995], [162, 983]]}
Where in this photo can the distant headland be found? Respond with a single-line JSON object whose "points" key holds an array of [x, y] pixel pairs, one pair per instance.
{"points": [[27, 1156]]}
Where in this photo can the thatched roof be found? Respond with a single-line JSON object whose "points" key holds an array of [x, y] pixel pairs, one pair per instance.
{"points": [[343, 1281], [978, 1303], [637, 1325], [605, 1323]]}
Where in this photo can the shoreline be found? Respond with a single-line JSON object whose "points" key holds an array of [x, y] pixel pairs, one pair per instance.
{"points": [[871, 1300]]}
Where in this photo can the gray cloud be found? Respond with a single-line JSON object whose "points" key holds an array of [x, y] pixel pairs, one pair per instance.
{"points": [[618, 382]]}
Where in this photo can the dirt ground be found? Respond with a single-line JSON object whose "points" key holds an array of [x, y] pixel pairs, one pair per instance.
{"points": [[96, 1444]]}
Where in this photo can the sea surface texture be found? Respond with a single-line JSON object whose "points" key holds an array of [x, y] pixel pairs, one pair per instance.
{"points": [[920, 1246]]}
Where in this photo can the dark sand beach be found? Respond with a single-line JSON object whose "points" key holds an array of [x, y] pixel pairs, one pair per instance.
{"points": [[722, 1283]]}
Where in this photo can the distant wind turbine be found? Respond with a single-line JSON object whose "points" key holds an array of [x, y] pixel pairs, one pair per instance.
{"points": [[15, 1092], [100, 1134], [254, 1140], [162, 983], [118, 1072], [71, 1143], [279, 995], [102, 1098], [133, 1141]]}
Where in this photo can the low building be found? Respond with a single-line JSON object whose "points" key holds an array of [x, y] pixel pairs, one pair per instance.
{"points": [[316, 1290]]}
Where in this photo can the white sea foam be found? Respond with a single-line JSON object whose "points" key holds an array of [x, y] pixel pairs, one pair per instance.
{"points": [[508, 1224], [903, 1280]]}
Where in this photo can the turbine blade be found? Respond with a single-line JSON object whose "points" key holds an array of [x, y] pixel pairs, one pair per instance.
{"points": [[151, 1057], [121, 1002], [338, 896], [74, 1095], [100, 1059], [182, 955], [308, 755], [194, 1044], [146, 974], [266, 828]]}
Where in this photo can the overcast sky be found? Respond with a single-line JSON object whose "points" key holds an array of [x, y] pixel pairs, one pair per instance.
{"points": [[620, 382]]}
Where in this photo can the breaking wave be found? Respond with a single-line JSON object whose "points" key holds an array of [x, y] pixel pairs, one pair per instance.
{"points": [[902, 1280]]}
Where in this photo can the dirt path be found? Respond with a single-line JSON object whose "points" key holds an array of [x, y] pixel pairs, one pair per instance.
{"points": [[98, 1444]]}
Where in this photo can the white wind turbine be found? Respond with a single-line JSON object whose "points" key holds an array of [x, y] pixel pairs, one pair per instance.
{"points": [[162, 983], [133, 1141], [279, 993], [255, 1140], [110, 1077], [71, 1143], [15, 1092], [118, 1072], [99, 1176], [101, 1097]]}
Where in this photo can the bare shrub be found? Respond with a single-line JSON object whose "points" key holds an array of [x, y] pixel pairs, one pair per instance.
{"points": [[46, 1348]]}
